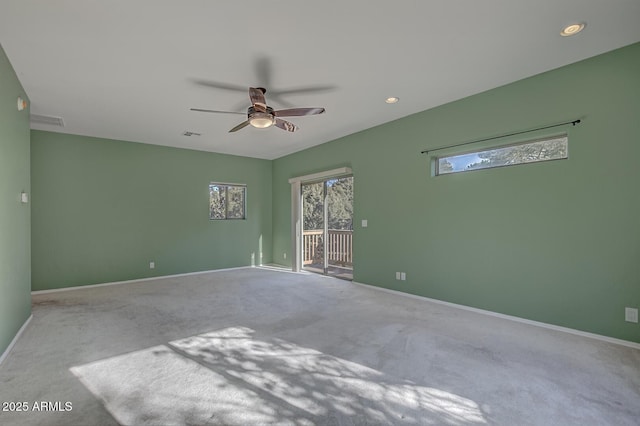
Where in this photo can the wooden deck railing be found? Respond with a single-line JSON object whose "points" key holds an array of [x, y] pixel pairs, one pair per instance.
{"points": [[340, 247]]}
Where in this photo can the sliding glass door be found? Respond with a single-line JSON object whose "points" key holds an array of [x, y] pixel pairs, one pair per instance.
{"points": [[327, 222], [313, 229]]}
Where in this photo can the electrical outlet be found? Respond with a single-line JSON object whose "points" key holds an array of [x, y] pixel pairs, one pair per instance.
{"points": [[397, 275], [631, 314], [152, 265], [285, 255], [403, 276]]}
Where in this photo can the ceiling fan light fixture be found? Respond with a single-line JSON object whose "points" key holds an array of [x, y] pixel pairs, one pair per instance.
{"points": [[261, 120]]}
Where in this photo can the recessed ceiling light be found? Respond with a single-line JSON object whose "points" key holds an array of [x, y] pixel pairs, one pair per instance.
{"points": [[572, 29], [392, 100]]}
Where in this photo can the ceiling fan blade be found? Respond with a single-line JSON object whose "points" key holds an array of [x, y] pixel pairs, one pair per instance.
{"points": [[296, 112], [286, 125], [240, 126], [219, 85], [217, 112], [299, 90], [257, 99], [278, 100], [263, 71]]}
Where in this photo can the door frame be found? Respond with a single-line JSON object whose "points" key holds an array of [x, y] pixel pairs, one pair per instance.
{"points": [[296, 209]]}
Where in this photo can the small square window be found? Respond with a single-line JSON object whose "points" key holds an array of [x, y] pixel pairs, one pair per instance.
{"points": [[227, 201]]}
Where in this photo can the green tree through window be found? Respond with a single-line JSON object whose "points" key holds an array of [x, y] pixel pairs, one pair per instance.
{"points": [[340, 199], [227, 201]]}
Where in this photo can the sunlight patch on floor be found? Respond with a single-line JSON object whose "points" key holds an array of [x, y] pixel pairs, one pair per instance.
{"points": [[231, 377]]}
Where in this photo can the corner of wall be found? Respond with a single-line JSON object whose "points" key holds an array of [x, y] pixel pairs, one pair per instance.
{"points": [[15, 220]]}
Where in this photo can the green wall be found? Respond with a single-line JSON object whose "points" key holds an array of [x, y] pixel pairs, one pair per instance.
{"points": [[557, 242], [103, 209], [15, 240]]}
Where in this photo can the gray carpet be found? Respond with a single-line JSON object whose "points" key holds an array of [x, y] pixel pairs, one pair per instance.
{"points": [[256, 346]]}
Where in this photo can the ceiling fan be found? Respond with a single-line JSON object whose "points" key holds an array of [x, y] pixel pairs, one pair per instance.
{"points": [[261, 116]]}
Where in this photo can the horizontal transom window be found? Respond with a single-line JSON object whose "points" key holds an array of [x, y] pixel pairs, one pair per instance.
{"points": [[553, 148]]}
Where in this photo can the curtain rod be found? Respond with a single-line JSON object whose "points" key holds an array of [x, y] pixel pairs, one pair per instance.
{"points": [[573, 123]]}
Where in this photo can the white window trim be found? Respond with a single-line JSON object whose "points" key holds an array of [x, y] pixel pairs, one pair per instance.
{"points": [[342, 171]]}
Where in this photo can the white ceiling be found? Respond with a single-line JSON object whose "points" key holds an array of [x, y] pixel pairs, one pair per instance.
{"points": [[130, 70]]}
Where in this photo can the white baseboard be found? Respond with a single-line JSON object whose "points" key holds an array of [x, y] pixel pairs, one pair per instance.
{"points": [[600, 337], [160, 277], [15, 339], [280, 268], [509, 317]]}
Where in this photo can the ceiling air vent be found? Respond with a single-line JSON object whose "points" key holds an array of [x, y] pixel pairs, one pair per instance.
{"points": [[47, 119]]}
